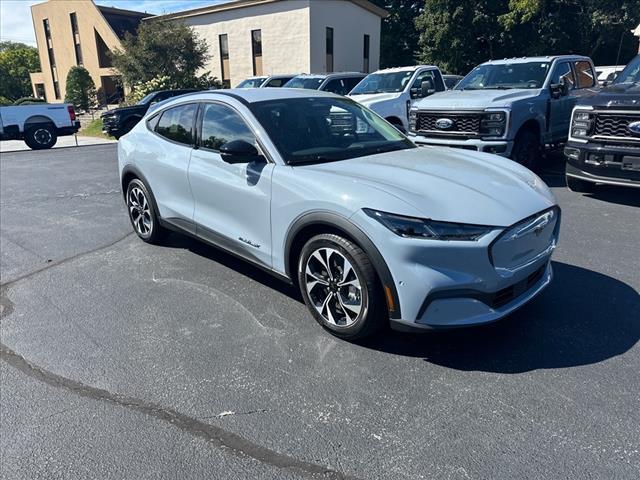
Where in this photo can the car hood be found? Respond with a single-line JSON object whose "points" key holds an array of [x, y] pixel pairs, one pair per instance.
{"points": [[374, 98], [615, 95], [122, 110], [440, 183], [475, 99]]}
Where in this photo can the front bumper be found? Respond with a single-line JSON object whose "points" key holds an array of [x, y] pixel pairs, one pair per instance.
{"points": [[448, 284], [498, 147], [602, 163]]}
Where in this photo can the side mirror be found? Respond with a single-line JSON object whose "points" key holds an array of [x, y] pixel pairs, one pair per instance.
{"points": [[427, 88], [239, 151], [558, 89]]}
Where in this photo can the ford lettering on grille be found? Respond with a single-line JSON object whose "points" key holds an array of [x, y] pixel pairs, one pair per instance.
{"points": [[444, 123]]}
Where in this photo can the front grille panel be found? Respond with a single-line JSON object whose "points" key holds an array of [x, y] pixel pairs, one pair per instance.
{"points": [[506, 295], [615, 125], [463, 123]]}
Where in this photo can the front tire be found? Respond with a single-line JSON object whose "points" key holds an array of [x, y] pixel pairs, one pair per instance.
{"points": [[340, 287], [527, 150], [40, 137], [142, 213], [580, 186]]}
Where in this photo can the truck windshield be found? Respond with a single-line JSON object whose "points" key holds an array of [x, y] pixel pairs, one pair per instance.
{"points": [[251, 82], [326, 129], [387, 82], [505, 76], [310, 83], [146, 99], [631, 72]]}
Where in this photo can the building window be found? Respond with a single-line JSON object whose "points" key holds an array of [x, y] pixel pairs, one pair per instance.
{"points": [[256, 49], [40, 92], [329, 49], [76, 38], [224, 60], [56, 90], [52, 57], [365, 54], [104, 54]]}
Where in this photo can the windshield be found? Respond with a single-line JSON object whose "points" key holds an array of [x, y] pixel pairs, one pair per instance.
{"points": [[326, 129], [310, 83], [251, 82], [631, 72], [146, 99], [502, 77], [389, 82]]}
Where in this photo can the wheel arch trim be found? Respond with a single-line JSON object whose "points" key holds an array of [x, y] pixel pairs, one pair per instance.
{"points": [[336, 221]]}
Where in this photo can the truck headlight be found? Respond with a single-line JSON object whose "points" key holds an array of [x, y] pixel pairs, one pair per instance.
{"points": [[493, 124], [581, 124], [412, 227], [413, 120]]}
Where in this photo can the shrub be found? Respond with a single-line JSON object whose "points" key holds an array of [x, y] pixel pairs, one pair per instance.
{"points": [[28, 101], [81, 91]]}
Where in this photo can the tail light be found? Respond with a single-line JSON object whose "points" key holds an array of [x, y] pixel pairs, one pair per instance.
{"points": [[72, 113]]}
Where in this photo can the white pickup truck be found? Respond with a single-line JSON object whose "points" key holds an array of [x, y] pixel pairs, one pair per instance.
{"points": [[39, 125], [391, 92]]}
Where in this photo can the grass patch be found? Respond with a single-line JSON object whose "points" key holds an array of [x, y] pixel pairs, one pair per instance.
{"points": [[94, 129]]}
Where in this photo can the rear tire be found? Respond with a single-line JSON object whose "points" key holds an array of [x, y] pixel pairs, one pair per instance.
{"points": [[340, 287], [142, 213], [40, 137], [527, 150], [580, 186]]}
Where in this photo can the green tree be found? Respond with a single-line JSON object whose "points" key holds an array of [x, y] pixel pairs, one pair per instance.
{"points": [[81, 91], [399, 36], [163, 49], [17, 60]]}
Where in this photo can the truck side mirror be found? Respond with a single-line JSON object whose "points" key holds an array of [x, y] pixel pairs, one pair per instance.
{"points": [[427, 88], [559, 89]]}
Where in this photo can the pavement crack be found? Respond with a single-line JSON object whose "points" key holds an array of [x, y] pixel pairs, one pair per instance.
{"points": [[229, 413], [216, 436]]}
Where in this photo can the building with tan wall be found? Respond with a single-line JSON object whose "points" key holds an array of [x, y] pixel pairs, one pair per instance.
{"points": [[262, 37], [78, 32]]}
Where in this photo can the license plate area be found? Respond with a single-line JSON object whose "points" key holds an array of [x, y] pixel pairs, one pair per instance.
{"points": [[631, 163]]}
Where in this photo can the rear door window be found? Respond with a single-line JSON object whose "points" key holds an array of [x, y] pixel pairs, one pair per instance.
{"points": [[585, 74], [176, 124], [337, 85]]}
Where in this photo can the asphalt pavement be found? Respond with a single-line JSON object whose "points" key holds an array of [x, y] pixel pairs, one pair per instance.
{"points": [[127, 360]]}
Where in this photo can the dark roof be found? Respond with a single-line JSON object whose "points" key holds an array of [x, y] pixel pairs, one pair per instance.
{"points": [[122, 21]]}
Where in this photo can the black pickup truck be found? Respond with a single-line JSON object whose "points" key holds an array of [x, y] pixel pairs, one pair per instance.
{"points": [[120, 121], [604, 138]]}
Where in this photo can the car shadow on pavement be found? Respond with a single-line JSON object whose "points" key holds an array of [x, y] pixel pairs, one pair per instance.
{"points": [[619, 195], [583, 318]]}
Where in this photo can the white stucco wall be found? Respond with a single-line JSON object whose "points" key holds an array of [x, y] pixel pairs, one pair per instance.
{"points": [[350, 23], [285, 38]]}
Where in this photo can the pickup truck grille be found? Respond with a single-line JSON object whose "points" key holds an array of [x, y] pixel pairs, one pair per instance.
{"points": [[108, 121], [464, 124], [615, 125]]}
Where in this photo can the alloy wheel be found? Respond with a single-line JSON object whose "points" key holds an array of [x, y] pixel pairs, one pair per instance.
{"points": [[140, 211], [42, 136], [334, 287]]}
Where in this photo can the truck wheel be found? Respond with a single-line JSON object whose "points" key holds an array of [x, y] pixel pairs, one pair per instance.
{"points": [[526, 150], [40, 137], [580, 186]]}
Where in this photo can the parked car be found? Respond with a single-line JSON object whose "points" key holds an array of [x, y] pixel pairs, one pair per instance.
{"points": [[369, 226], [608, 74], [273, 81], [39, 125], [340, 83], [604, 140], [391, 92], [120, 121], [451, 81], [512, 107]]}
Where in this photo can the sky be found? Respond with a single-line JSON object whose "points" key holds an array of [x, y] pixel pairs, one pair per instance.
{"points": [[16, 24]]}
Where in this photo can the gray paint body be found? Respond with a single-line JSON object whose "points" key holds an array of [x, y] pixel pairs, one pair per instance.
{"points": [[225, 203]]}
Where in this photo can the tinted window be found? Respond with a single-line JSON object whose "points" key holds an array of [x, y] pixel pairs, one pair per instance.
{"points": [[325, 129], [352, 82], [631, 72], [222, 124], [312, 83], [339, 86], [176, 124], [277, 82], [563, 71], [428, 75], [503, 76], [586, 77]]}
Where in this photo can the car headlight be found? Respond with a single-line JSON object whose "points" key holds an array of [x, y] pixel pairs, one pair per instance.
{"points": [[581, 124], [493, 124], [413, 119], [412, 227]]}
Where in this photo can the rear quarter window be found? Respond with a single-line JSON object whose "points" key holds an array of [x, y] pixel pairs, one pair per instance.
{"points": [[176, 123]]}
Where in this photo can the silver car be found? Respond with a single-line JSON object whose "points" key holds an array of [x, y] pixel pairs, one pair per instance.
{"points": [[323, 193]]}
